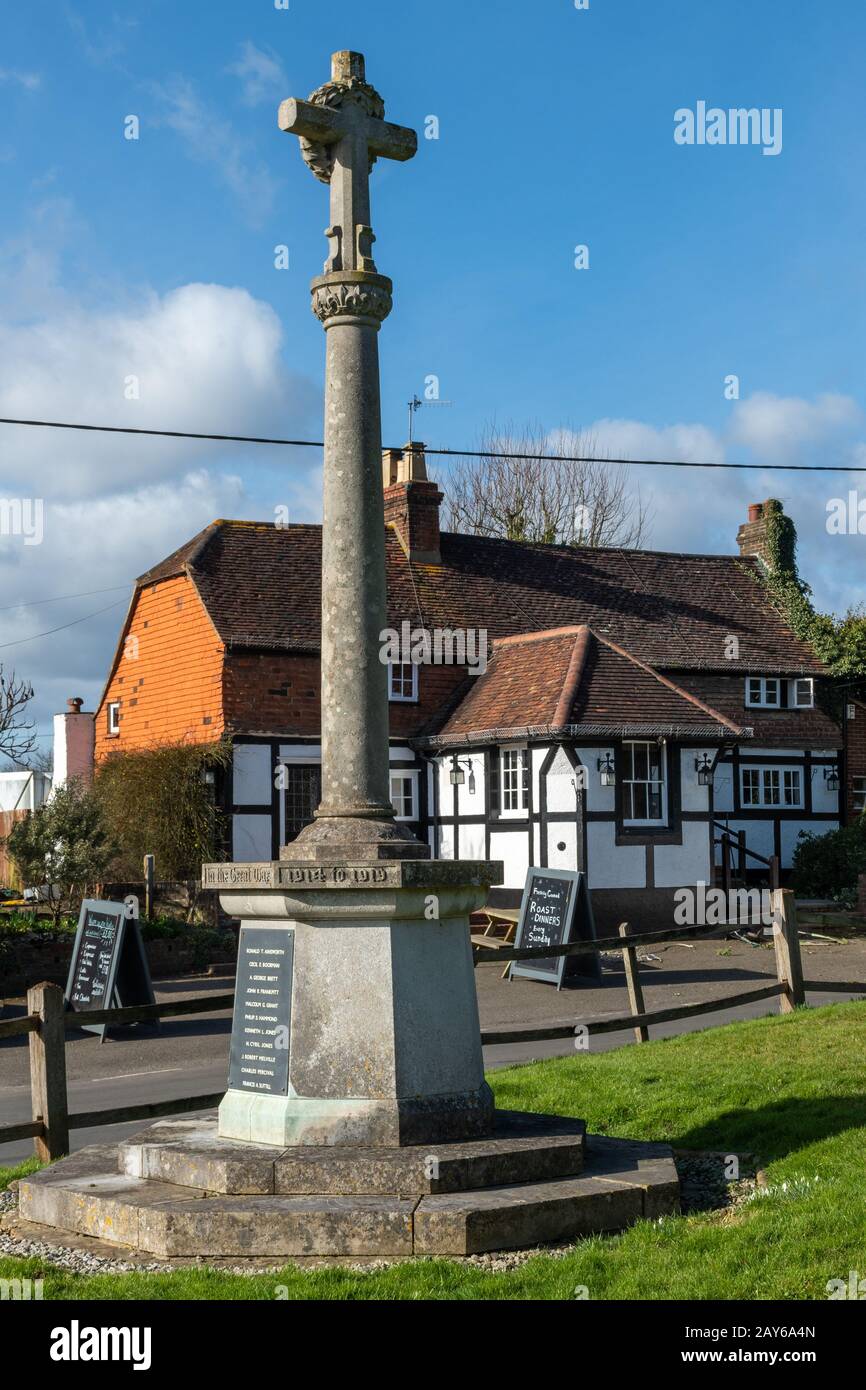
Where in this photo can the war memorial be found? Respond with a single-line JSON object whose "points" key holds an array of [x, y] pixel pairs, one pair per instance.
{"points": [[357, 1121]]}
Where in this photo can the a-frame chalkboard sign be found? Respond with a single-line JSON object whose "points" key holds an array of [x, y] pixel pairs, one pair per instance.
{"points": [[109, 968], [555, 910]]}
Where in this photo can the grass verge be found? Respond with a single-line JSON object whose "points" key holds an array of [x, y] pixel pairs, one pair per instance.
{"points": [[790, 1090]]}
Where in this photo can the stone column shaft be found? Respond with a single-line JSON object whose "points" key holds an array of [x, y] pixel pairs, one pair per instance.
{"points": [[355, 779]]}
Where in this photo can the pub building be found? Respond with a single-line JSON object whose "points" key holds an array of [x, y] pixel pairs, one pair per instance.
{"points": [[633, 706]]}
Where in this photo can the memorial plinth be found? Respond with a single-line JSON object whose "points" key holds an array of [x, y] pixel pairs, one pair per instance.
{"points": [[381, 1031]]}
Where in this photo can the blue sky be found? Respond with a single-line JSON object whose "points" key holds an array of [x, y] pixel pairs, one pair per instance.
{"points": [[155, 258]]}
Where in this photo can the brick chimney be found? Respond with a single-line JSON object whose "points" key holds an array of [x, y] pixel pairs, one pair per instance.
{"points": [[752, 535], [412, 503], [74, 736]]}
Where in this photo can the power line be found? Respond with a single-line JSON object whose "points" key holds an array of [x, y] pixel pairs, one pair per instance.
{"points": [[450, 453], [61, 598], [36, 635], [164, 434]]}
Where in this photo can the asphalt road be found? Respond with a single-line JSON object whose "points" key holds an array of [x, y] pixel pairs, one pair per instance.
{"points": [[189, 1056]]}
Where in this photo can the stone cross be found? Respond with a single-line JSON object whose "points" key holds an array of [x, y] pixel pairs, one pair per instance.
{"points": [[384, 1047], [342, 135], [342, 132]]}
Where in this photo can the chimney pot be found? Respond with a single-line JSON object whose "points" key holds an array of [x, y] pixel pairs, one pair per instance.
{"points": [[74, 705]]}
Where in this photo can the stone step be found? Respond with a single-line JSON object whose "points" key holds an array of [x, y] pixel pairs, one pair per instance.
{"points": [[622, 1182], [86, 1194], [190, 1153]]}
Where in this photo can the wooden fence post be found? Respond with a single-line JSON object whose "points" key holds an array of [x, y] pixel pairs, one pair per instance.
{"points": [[148, 887], [789, 965], [48, 1071], [632, 979]]}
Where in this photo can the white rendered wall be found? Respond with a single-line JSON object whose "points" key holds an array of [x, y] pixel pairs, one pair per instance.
{"points": [[561, 785], [251, 839], [676, 866], [565, 834], [610, 865], [598, 798], [252, 774], [694, 797], [511, 846]]}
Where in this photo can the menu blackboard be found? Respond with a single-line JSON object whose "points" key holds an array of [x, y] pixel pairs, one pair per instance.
{"points": [[259, 1058], [555, 910], [109, 968]]}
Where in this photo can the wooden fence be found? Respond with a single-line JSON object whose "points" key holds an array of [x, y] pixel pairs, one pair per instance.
{"points": [[47, 1022], [9, 877]]}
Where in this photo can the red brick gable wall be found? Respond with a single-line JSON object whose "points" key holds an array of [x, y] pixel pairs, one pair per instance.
{"points": [[277, 692], [168, 677]]}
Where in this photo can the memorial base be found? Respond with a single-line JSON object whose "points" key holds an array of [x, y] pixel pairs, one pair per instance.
{"points": [[356, 1017], [177, 1191], [356, 1120]]}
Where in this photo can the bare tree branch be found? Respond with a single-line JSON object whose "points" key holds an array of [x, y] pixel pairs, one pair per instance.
{"points": [[543, 500], [17, 733]]}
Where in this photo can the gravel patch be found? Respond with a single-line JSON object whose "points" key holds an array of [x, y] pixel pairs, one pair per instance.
{"points": [[715, 1181]]}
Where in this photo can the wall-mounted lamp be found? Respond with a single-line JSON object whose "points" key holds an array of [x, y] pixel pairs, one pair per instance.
{"points": [[831, 778], [608, 771], [458, 776], [704, 769]]}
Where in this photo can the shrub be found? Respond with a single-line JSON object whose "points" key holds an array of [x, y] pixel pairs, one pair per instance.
{"points": [[827, 866], [158, 801], [64, 843]]}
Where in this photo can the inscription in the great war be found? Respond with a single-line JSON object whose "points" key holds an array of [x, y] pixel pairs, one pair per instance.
{"points": [[259, 1059]]}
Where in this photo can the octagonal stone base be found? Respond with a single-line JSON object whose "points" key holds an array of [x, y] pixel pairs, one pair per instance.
{"points": [[179, 1191]]}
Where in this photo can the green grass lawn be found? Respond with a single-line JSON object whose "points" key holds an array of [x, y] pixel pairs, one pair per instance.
{"points": [[790, 1090]]}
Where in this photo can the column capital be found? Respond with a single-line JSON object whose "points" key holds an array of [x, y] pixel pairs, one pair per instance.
{"points": [[352, 296]]}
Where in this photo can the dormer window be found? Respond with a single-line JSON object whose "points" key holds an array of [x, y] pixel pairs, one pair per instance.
{"points": [[801, 693], [764, 692]]}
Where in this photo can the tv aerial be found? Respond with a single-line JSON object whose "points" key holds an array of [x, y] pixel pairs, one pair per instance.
{"points": [[416, 404]]}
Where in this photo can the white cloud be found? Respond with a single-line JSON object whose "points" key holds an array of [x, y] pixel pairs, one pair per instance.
{"points": [[103, 44], [788, 429], [90, 545], [205, 357], [701, 510], [30, 81], [634, 439], [208, 357], [261, 74], [211, 140]]}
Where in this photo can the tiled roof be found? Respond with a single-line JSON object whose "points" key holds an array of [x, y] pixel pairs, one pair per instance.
{"points": [[570, 679], [261, 586]]}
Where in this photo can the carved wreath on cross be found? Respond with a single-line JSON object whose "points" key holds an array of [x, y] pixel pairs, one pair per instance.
{"points": [[320, 158]]}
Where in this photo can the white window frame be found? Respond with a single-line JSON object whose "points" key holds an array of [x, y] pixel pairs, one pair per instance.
{"points": [[647, 782], [794, 701], [858, 794], [764, 683], [507, 790], [398, 696], [765, 773], [114, 716], [412, 779]]}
